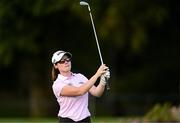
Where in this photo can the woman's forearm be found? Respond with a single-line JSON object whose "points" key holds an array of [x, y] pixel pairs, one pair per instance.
{"points": [[85, 87]]}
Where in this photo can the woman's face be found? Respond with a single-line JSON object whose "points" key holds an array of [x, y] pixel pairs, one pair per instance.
{"points": [[64, 65]]}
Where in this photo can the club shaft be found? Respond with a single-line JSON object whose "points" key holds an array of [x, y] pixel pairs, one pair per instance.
{"points": [[97, 42]]}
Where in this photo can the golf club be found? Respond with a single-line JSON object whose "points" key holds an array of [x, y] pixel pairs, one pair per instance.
{"points": [[84, 3]]}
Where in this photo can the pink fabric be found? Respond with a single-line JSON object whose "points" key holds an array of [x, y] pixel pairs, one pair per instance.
{"points": [[75, 108]]}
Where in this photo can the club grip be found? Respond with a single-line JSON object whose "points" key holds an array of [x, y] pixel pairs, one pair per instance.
{"points": [[107, 84]]}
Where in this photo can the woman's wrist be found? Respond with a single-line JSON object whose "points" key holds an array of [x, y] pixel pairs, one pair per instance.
{"points": [[103, 80]]}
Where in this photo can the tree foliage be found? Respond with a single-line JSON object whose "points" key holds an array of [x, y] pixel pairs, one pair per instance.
{"points": [[22, 22]]}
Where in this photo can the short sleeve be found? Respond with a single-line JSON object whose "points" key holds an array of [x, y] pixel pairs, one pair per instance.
{"points": [[57, 87], [83, 78]]}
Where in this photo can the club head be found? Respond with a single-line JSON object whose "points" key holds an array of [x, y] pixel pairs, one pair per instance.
{"points": [[84, 2]]}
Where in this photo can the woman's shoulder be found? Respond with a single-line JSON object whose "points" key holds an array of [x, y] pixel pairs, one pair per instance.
{"points": [[78, 74]]}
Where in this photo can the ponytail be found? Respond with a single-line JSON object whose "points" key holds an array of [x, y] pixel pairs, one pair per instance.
{"points": [[54, 73]]}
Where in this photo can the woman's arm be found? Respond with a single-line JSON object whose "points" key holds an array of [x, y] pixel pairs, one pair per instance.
{"points": [[97, 91], [77, 91]]}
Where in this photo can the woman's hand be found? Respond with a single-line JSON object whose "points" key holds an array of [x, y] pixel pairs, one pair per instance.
{"points": [[102, 69]]}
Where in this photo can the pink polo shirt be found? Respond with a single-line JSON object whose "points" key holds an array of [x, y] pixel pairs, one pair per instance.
{"points": [[75, 108]]}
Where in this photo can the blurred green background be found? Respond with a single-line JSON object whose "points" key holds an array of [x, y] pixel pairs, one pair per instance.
{"points": [[139, 42]]}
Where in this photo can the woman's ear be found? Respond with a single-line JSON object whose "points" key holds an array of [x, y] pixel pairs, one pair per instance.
{"points": [[55, 66]]}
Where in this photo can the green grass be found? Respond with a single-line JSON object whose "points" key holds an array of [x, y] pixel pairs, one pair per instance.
{"points": [[51, 120], [27, 120]]}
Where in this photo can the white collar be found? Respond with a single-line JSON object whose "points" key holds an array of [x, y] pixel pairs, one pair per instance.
{"points": [[64, 77]]}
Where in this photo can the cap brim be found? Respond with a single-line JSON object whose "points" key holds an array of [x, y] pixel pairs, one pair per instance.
{"points": [[67, 54]]}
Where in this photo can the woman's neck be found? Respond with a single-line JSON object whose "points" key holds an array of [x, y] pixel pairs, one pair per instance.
{"points": [[66, 74]]}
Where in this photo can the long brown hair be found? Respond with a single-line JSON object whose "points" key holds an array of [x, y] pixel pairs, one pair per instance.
{"points": [[54, 73]]}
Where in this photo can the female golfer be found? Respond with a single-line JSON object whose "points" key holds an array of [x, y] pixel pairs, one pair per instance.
{"points": [[71, 89]]}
